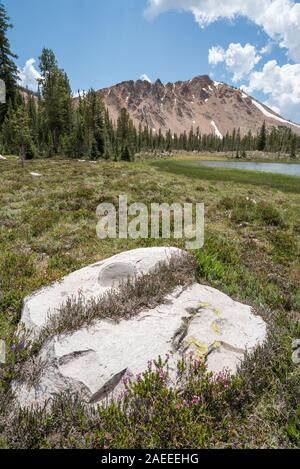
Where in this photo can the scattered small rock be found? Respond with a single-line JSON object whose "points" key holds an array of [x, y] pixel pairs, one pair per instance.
{"points": [[296, 357], [296, 344]]}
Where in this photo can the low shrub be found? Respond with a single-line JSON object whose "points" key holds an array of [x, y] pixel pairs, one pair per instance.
{"points": [[250, 211]]}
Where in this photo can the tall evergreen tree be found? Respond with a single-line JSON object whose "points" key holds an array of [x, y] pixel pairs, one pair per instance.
{"points": [[126, 144], [56, 98], [18, 134], [262, 138], [8, 68], [94, 120], [293, 146]]}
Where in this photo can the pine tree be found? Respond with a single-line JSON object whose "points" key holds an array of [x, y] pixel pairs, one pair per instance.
{"points": [[169, 141], [262, 138], [56, 99], [293, 146], [125, 136], [94, 116], [109, 137], [17, 129], [33, 117], [8, 68]]}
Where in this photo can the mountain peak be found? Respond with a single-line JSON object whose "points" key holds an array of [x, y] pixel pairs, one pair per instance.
{"points": [[212, 106]]}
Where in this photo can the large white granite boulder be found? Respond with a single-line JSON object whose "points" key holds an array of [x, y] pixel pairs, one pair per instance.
{"points": [[93, 360], [91, 281]]}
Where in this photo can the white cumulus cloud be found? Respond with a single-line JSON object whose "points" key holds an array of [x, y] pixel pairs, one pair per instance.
{"points": [[145, 77], [240, 60], [280, 19], [29, 75], [267, 49], [216, 54], [282, 86], [79, 93]]}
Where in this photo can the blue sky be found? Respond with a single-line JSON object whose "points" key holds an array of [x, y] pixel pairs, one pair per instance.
{"points": [[102, 42]]}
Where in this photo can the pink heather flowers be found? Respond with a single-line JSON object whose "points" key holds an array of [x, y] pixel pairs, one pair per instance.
{"points": [[127, 378], [222, 378], [196, 400], [163, 375]]}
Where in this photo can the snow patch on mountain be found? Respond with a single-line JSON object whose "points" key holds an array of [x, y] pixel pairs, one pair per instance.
{"points": [[271, 115], [218, 133]]}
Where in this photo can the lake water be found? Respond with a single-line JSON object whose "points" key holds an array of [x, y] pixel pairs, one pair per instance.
{"points": [[291, 169]]}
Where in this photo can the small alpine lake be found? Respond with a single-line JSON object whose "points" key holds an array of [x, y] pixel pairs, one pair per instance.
{"points": [[279, 176], [289, 169]]}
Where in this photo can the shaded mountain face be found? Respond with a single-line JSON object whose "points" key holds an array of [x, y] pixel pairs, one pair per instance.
{"points": [[212, 106]]}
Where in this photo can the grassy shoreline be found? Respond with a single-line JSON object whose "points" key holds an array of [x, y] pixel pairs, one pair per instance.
{"points": [[255, 157], [191, 169]]}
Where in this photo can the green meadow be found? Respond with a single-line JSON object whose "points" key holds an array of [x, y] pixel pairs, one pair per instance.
{"points": [[251, 252]]}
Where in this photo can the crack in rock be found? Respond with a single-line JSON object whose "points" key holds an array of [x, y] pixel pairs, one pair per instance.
{"points": [[108, 388], [72, 356], [226, 346], [182, 332]]}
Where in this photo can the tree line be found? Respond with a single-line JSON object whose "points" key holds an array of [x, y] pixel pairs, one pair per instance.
{"points": [[51, 122]]}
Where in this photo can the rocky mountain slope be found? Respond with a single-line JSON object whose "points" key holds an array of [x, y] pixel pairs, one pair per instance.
{"points": [[212, 106]]}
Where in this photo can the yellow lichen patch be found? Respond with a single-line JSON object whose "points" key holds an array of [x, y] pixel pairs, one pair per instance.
{"points": [[201, 348], [204, 305], [216, 345], [215, 327], [218, 312]]}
